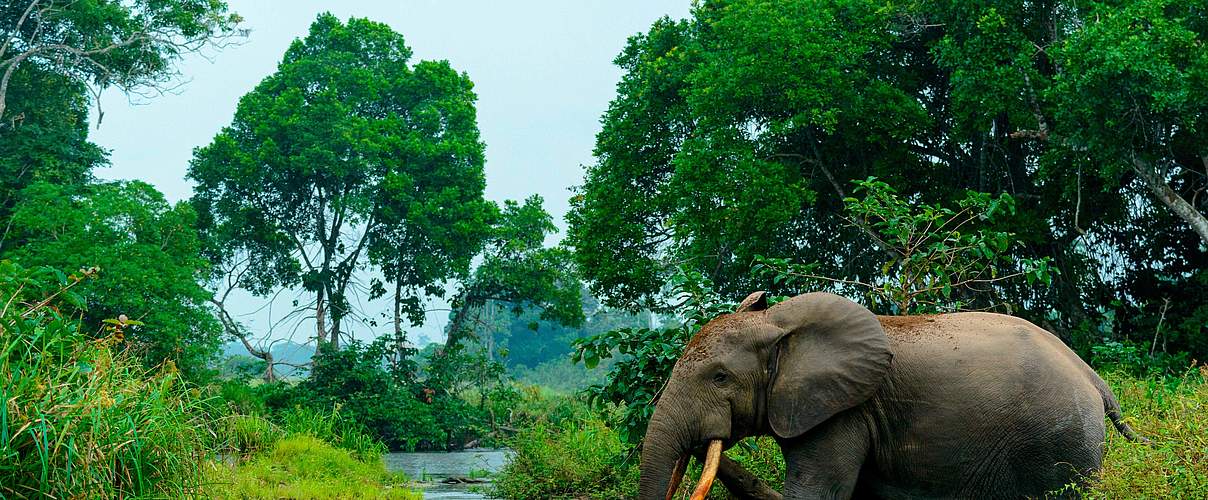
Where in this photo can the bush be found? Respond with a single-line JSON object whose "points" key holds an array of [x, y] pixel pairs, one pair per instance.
{"points": [[81, 417], [304, 466], [247, 435], [586, 459]]}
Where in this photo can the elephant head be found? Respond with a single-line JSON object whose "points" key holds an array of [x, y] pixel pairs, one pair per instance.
{"points": [[760, 370]]}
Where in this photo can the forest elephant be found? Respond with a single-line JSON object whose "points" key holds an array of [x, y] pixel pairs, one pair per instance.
{"points": [[962, 405]]}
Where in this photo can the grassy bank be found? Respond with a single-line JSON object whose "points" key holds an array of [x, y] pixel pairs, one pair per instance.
{"points": [[303, 466], [590, 460], [81, 417]]}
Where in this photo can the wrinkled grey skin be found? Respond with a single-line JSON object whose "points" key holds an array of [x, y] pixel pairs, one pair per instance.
{"points": [[965, 405]]}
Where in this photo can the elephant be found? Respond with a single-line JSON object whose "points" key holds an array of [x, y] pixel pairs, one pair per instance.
{"points": [[958, 405]]}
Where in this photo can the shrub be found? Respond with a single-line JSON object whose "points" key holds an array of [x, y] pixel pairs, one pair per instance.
{"points": [[250, 434], [587, 459], [335, 428]]}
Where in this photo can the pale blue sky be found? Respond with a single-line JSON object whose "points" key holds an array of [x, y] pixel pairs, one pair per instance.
{"points": [[542, 70]]}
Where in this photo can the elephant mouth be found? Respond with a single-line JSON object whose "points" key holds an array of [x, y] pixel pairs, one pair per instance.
{"points": [[712, 459]]}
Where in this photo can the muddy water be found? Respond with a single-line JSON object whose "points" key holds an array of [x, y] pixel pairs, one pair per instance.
{"points": [[430, 468]]}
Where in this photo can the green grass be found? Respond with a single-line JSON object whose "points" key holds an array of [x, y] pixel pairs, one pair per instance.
{"points": [[305, 467], [1172, 412]]}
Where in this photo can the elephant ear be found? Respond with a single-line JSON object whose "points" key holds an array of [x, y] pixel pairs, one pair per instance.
{"points": [[757, 301], [833, 356]]}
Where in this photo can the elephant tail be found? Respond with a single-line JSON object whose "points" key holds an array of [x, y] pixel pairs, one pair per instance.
{"points": [[1112, 408]]}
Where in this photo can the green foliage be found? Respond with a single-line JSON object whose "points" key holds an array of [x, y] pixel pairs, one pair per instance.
{"points": [[582, 459], [347, 155], [131, 45], [357, 392], [385, 401], [1129, 357], [49, 143], [518, 271], [735, 133], [304, 466], [82, 417], [940, 259], [1135, 87], [149, 256], [646, 355]]}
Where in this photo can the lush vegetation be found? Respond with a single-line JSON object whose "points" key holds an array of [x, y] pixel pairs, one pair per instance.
{"points": [[305, 467], [737, 133], [1043, 159], [81, 414]]}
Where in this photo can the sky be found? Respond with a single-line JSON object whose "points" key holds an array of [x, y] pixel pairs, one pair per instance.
{"points": [[542, 70]]}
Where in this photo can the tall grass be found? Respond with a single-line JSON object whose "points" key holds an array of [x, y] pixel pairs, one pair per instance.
{"points": [[1172, 412], [81, 417]]}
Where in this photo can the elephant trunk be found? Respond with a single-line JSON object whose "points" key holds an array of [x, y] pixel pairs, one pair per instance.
{"points": [[664, 452]]}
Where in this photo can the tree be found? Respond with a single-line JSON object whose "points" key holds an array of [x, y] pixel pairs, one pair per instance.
{"points": [[347, 156], [1133, 97], [131, 45], [149, 258], [434, 219], [517, 272], [45, 140], [735, 134]]}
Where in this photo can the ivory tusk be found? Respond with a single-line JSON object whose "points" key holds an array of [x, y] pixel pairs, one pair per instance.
{"points": [[712, 458], [677, 476]]}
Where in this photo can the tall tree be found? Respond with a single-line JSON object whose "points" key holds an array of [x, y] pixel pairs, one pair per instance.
{"points": [[128, 44], [347, 156], [738, 132], [433, 217]]}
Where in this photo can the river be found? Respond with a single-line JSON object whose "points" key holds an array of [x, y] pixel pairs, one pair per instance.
{"points": [[430, 468]]}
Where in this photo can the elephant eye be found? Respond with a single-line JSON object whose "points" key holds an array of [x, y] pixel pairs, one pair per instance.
{"points": [[720, 378]]}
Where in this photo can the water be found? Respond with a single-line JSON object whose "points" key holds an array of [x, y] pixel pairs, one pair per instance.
{"points": [[432, 467]]}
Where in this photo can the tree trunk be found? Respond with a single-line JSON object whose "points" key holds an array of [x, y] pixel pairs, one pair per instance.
{"points": [[1158, 186], [398, 308], [320, 320]]}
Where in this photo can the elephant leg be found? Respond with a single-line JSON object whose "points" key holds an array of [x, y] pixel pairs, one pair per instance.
{"points": [[742, 484], [825, 462]]}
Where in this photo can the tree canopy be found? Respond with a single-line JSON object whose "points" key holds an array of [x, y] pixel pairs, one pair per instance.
{"points": [[128, 44], [347, 156], [148, 255], [737, 133]]}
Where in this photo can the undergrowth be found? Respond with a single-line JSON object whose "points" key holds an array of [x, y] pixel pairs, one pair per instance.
{"points": [[80, 415], [1172, 412]]}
